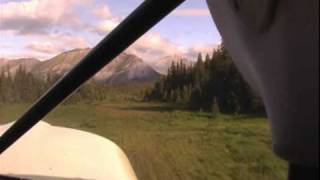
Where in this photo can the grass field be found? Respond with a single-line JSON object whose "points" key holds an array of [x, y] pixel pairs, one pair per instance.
{"points": [[163, 143]]}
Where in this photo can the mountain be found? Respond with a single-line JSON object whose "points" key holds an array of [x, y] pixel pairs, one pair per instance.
{"points": [[162, 65], [123, 69], [60, 64], [127, 67], [13, 65], [2, 62]]}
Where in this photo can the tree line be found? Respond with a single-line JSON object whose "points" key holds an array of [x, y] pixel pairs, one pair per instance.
{"points": [[212, 84], [25, 87]]}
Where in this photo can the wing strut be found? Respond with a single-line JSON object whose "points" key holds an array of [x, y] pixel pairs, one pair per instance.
{"points": [[148, 14]]}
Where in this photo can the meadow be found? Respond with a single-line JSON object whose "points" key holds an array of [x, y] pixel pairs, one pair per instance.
{"points": [[165, 142]]}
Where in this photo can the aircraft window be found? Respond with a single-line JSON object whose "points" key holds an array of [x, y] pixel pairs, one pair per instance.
{"points": [[173, 103]]}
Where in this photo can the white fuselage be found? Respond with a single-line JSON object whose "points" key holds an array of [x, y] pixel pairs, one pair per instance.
{"points": [[49, 151]]}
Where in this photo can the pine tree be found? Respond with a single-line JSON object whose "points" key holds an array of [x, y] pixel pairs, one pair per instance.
{"points": [[215, 110], [209, 85]]}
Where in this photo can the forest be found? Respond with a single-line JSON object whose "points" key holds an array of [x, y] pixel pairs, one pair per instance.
{"points": [[212, 84], [25, 87]]}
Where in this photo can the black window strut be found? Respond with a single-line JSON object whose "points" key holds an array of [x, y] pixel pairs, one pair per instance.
{"points": [[148, 14]]}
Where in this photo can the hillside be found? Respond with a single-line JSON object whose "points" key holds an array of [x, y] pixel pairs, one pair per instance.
{"points": [[124, 69], [2, 61], [127, 67], [13, 65], [61, 63]]}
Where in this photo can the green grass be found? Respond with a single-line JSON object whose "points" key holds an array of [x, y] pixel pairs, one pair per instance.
{"points": [[163, 143]]}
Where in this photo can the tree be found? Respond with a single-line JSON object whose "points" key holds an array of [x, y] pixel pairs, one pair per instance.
{"points": [[215, 110], [211, 85], [23, 86]]}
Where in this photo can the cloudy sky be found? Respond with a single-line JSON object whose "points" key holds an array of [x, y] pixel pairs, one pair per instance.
{"points": [[43, 28]]}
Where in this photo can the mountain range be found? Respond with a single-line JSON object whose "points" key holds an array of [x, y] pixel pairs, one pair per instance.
{"points": [[162, 65], [123, 69]]}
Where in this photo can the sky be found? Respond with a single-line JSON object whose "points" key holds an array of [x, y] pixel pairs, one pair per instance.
{"points": [[43, 28]]}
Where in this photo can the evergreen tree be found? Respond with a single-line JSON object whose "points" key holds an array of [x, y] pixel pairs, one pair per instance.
{"points": [[210, 85], [23, 86], [215, 110]]}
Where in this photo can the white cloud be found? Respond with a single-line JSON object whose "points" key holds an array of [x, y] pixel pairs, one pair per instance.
{"points": [[35, 21], [38, 16], [44, 47], [29, 54], [105, 26], [53, 44], [192, 12], [5, 46], [101, 12], [153, 46], [193, 51]]}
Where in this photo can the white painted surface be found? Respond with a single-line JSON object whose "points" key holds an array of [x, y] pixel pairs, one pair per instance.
{"points": [[65, 153]]}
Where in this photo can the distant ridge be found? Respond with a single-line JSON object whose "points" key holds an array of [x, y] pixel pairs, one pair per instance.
{"points": [[125, 68], [13, 65]]}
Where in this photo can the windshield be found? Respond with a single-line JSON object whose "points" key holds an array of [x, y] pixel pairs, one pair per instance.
{"points": [[171, 106]]}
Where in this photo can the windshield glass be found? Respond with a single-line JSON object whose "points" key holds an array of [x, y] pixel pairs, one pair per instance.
{"points": [[171, 106]]}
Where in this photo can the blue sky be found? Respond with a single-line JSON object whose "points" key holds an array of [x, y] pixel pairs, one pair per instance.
{"points": [[44, 28], [181, 29]]}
